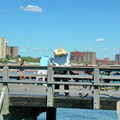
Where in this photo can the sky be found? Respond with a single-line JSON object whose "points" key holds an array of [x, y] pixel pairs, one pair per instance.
{"points": [[38, 27]]}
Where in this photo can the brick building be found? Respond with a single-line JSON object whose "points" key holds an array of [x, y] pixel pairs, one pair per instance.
{"points": [[104, 61], [12, 51], [83, 56], [7, 50], [76, 56]]}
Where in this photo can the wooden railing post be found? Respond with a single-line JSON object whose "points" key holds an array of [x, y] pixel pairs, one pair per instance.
{"points": [[118, 110], [96, 101], [1, 102], [50, 92], [5, 109]]}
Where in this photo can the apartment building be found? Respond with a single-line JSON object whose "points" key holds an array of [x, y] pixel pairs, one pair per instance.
{"points": [[12, 51], [2, 47], [104, 61], [76, 56], [83, 56], [117, 57], [89, 57]]}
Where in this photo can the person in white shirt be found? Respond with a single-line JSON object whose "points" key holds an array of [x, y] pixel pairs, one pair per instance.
{"points": [[61, 59]]}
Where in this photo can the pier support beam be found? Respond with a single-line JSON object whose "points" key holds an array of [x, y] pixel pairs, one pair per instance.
{"points": [[51, 113], [26, 113]]}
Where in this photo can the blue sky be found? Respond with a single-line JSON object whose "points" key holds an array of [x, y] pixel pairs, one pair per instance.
{"points": [[38, 27]]}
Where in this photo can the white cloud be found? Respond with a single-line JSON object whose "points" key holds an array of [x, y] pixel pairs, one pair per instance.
{"points": [[29, 41], [115, 41], [105, 49], [32, 8], [27, 47], [3, 10], [100, 40], [23, 50], [34, 48], [47, 49], [89, 49], [116, 48]]}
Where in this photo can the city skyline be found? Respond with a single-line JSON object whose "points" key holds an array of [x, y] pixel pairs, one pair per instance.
{"points": [[13, 50], [38, 27]]}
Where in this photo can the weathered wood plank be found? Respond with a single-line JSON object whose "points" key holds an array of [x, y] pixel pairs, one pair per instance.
{"points": [[5, 109], [50, 92], [96, 102], [62, 102]]}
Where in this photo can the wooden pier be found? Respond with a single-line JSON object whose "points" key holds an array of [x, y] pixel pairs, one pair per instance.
{"points": [[27, 101]]}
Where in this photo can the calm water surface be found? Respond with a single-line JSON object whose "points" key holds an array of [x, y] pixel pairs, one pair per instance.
{"points": [[82, 114]]}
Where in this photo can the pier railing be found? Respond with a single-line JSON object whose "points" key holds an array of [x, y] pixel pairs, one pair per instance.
{"points": [[94, 80]]}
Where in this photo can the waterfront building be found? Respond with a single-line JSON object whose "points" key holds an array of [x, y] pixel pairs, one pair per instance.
{"points": [[107, 61], [12, 51], [104, 61], [2, 47], [88, 57], [117, 57], [76, 56]]}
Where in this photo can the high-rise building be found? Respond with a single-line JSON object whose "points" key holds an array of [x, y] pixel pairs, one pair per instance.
{"points": [[2, 47], [83, 56], [89, 57], [12, 51], [6, 50], [76, 56], [117, 57]]}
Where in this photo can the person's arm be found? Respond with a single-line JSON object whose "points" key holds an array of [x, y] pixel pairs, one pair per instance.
{"points": [[67, 62], [54, 63], [49, 62], [19, 71]]}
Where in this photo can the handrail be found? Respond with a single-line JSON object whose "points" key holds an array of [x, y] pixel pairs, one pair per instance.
{"points": [[64, 83], [89, 77], [93, 80]]}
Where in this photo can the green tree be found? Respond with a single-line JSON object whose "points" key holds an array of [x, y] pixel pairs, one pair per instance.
{"points": [[27, 59], [19, 56], [7, 57]]}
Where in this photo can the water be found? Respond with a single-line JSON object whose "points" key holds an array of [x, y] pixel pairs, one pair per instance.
{"points": [[82, 114]]}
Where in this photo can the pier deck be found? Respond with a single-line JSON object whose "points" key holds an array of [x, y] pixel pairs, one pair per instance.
{"points": [[35, 96]]}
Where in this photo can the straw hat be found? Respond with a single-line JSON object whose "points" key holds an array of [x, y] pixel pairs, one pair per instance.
{"points": [[60, 51]]}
